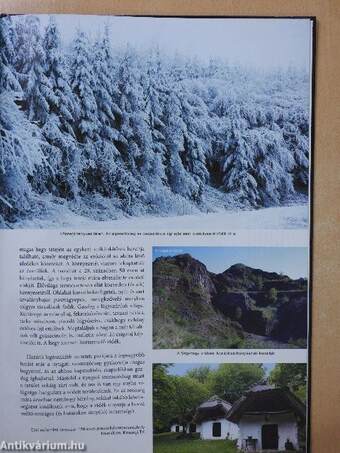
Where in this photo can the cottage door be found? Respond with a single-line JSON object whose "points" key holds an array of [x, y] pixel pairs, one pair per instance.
{"points": [[192, 428], [270, 437]]}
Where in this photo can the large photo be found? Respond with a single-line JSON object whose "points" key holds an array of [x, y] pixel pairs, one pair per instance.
{"points": [[120, 121]]}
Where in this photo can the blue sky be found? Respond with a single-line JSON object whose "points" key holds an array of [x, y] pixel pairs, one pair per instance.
{"points": [[291, 261], [180, 369], [260, 43]]}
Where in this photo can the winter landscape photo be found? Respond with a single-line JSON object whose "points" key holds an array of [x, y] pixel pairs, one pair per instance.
{"points": [[229, 407], [118, 121], [230, 297]]}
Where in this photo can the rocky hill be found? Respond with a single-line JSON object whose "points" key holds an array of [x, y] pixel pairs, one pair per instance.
{"points": [[241, 307]]}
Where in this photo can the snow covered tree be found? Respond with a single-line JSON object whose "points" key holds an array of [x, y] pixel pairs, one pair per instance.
{"points": [[105, 93], [30, 63], [239, 170], [83, 83], [63, 103], [259, 168], [154, 92], [135, 140], [57, 127], [20, 151], [179, 179], [112, 177], [106, 90], [197, 136], [296, 136], [256, 163], [237, 160], [86, 123], [8, 75], [96, 127]]}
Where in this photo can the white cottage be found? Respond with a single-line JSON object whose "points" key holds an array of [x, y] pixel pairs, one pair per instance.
{"points": [[212, 421], [176, 428], [269, 418], [193, 428], [188, 428]]}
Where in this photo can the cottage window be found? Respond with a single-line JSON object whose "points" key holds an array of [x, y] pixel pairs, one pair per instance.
{"points": [[216, 429]]}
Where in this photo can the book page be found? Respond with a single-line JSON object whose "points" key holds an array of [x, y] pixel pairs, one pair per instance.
{"points": [[155, 233]]}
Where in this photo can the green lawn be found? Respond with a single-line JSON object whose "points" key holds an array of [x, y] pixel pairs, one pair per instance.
{"points": [[168, 443]]}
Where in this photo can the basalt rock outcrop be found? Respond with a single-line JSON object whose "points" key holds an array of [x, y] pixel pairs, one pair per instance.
{"points": [[195, 308]]}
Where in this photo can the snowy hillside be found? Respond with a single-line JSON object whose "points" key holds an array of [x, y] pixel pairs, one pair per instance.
{"points": [[107, 133]]}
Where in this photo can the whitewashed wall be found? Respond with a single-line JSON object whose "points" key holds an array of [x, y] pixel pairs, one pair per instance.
{"points": [[173, 428], [252, 426], [198, 428], [228, 429]]}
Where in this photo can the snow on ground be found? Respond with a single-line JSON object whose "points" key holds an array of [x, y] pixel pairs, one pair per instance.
{"points": [[286, 217], [268, 218]]}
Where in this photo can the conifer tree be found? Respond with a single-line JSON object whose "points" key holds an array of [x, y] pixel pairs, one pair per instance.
{"points": [[113, 179], [20, 150], [30, 63], [180, 180], [86, 124], [154, 91], [135, 135], [58, 127]]}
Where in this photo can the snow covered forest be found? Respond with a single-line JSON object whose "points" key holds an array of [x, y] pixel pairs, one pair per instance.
{"points": [[108, 132]]}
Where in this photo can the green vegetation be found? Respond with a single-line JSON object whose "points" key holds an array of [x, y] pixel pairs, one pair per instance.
{"points": [[230, 381], [176, 397], [169, 269], [259, 282], [301, 343], [253, 343], [201, 374], [292, 375], [170, 443], [272, 295], [181, 316]]}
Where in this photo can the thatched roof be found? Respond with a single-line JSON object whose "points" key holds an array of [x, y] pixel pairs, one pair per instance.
{"points": [[267, 399], [212, 409]]}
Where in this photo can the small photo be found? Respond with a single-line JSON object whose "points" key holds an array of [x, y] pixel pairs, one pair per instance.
{"points": [[230, 297], [229, 408]]}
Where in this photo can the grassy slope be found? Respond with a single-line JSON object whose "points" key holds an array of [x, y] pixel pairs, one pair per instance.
{"points": [[167, 443], [184, 319]]}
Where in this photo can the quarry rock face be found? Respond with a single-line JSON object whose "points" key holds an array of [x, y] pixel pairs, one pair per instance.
{"points": [[239, 306], [291, 320], [191, 302], [183, 272]]}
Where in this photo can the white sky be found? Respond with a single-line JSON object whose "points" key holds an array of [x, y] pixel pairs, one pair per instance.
{"points": [[261, 43]]}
